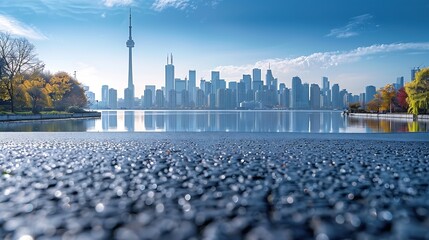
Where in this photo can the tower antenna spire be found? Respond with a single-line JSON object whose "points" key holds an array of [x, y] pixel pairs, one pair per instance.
{"points": [[171, 58], [130, 25]]}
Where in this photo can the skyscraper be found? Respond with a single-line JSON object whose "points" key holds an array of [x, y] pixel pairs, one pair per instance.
{"points": [[326, 93], [413, 72], [314, 96], [104, 96], [192, 85], [336, 96], [257, 79], [169, 78], [113, 98], [399, 83], [247, 79], [295, 92], [270, 79], [129, 91], [369, 93]]}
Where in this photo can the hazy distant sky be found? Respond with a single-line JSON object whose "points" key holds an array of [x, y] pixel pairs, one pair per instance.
{"points": [[354, 42]]}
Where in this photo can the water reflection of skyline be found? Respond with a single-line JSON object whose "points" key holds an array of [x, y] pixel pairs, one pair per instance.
{"points": [[220, 121], [223, 121]]}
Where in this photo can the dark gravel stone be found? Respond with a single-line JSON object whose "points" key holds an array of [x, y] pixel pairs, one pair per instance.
{"points": [[213, 186]]}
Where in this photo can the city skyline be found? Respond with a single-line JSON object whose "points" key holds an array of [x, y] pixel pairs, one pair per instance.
{"points": [[366, 44]]}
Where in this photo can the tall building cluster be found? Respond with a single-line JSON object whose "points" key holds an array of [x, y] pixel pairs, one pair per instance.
{"points": [[250, 92]]}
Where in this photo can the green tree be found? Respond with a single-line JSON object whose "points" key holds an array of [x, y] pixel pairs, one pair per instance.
{"points": [[418, 92]]}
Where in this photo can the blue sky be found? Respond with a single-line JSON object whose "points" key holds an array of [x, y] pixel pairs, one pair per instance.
{"points": [[354, 43]]}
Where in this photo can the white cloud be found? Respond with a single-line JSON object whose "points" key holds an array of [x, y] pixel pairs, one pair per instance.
{"points": [[112, 3], [17, 28], [160, 5], [320, 60], [353, 27]]}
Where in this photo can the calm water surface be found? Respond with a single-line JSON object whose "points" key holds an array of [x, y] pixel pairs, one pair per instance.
{"points": [[220, 121]]}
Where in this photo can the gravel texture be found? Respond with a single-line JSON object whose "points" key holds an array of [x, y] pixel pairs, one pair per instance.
{"points": [[213, 186]]}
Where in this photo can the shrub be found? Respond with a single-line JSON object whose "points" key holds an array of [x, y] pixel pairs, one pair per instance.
{"points": [[75, 109]]}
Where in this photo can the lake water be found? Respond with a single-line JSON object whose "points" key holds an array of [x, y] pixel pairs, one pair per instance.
{"points": [[220, 121]]}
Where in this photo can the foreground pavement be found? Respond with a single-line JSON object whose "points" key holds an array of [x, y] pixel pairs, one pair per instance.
{"points": [[214, 186]]}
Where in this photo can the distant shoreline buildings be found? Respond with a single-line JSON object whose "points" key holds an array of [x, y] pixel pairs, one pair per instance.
{"points": [[251, 92]]}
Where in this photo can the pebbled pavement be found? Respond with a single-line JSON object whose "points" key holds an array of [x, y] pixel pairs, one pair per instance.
{"points": [[213, 186]]}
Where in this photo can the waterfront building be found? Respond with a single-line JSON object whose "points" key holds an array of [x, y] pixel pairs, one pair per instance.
{"points": [[362, 100], [159, 99], [215, 81], [270, 81], [370, 91], [153, 89], [315, 96], [305, 97], [129, 91], [113, 98], [336, 104], [413, 72], [241, 92], [147, 98], [399, 83], [180, 85], [247, 79], [295, 92], [192, 87], [200, 99], [326, 93], [104, 96], [169, 78], [257, 79]]}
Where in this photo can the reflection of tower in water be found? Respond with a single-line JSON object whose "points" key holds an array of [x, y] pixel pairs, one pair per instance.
{"points": [[129, 121]]}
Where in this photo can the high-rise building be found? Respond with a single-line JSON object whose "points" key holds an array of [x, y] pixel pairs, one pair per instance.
{"points": [[180, 85], [336, 104], [362, 100], [305, 97], [159, 101], [147, 98], [370, 91], [113, 98], [169, 78], [257, 79], [192, 86], [399, 83], [247, 79], [295, 92], [104, 96], [241, 92], [314, 96], [129, 91], [414, 71], [270, 79], [326, 93], [215, 81]]}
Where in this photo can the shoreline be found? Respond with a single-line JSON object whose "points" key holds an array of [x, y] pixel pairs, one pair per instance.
{"points": [[33, 117], [406, 116]]}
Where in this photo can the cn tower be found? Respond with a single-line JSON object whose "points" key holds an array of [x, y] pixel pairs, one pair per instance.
{"points": [[129, 92]]}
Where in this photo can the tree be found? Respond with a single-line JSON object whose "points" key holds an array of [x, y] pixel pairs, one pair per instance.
{"points": [[58, 86], [375, 104], [17, 56], [418, 92], [401, 98], [388, 94], [35, 87]]}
